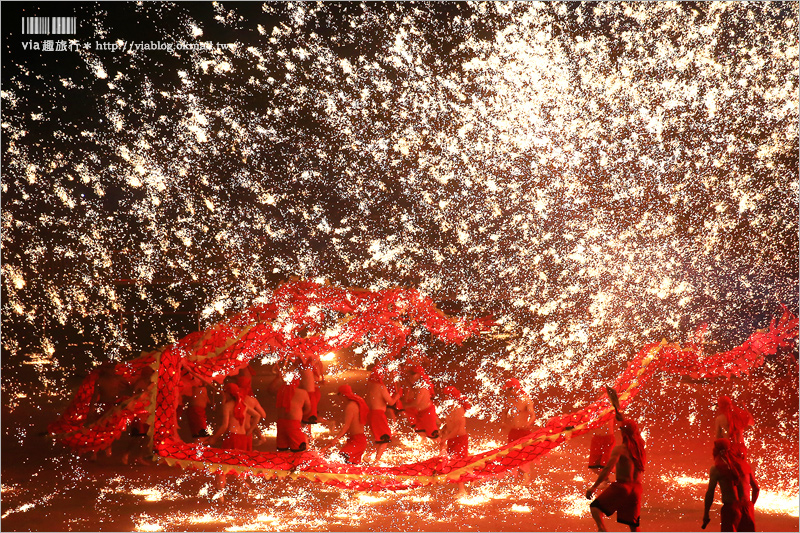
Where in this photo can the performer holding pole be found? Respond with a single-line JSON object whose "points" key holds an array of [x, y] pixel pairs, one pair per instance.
{"points": [[427, 421], [730, 423], [454, 437], [623, 496], [377, 399], [518, 417], [737, 486], [355, 416]]}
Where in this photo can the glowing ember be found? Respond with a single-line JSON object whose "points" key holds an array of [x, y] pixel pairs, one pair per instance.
{"points": [[370, 498], [202, 519], [575, 505], [148, 526], [473, 500], [685, 481], [778, 503], [150, 494]]}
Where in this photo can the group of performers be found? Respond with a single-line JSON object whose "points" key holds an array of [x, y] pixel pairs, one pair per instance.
{"points": [[406, 393], [409, 392], [416, 405], [731, 471]]}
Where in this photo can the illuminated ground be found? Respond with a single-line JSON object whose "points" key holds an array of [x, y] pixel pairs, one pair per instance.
{"points": [[59, 491]]}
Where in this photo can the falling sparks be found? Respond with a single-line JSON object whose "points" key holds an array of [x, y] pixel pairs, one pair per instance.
{"points": [[150, 494], [148, 526], [685, 481], [575, 505], [596, 177], [778, 503], [370, 499], [473, 500]]}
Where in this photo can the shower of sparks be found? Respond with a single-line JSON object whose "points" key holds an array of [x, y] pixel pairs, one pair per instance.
{"points": [[595, 176], [779, 503], [685, 481], [22, 508], [149, 494], [369, 498], [148, 526], [263, 504], [574, 505], [473, 500]]}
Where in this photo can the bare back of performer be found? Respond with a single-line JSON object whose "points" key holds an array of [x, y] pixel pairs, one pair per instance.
{"points": [[624, 495], [737, 486], [352, 423], [352, 427], [378, 396], [293, 405], [300, 404], [232, 425], [520, 414], [255, 405], [377, 399]]}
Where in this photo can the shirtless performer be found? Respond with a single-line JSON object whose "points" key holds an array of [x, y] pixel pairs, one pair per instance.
{"points": [[235, 432], [738, 488], [355, 416], [730, 423], [623, 496], [600, 447], [255, 405], [518, 417], [455, 440], [378, 398], [427, 421], [293, 405], [236, 429], [308, 381]]}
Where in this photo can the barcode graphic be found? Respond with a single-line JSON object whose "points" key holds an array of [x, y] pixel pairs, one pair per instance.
{"points": [[48, 25]]}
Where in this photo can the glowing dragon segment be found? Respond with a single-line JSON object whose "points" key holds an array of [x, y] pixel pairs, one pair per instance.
{"points": [[226, 347]]}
